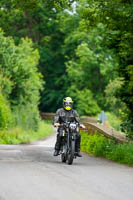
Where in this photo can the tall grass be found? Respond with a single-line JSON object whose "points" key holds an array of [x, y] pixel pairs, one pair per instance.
{"points": [[100, 146], [114, 121], [19, 135], [26, 116]]}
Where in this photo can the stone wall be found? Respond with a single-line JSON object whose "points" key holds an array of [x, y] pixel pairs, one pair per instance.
{"points": [[108, 132], [47, 116]]}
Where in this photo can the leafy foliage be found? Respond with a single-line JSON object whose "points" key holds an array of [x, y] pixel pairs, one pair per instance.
{"points": [[114, 120], [113, 99], [18, 135], [127, 127], [5, 113], [20, 81], [98, 145], [94, 144], [85, 52]]}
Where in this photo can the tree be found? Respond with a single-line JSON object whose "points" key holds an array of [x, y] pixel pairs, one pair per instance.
{"points": [[95, 41], [37, 20], [113, 100], [20, 80], [93, 64], [118, 18]]}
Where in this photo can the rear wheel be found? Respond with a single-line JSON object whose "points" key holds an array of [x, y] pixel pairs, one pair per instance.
{"points": [[71, 152]]}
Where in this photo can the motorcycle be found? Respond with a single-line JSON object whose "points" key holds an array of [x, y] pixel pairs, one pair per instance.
{"points": [[68, 142]]}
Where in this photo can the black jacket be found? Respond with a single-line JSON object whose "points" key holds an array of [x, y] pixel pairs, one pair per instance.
{"points": [[63, 115]]}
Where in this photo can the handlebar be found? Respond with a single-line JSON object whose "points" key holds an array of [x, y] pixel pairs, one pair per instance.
{"points": [[68, 123]]}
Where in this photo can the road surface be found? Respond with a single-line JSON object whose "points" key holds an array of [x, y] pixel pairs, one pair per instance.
{"points": [[30, 172]]}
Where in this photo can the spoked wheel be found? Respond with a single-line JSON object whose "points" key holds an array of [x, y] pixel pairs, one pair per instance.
{"points": [[71, 153]]}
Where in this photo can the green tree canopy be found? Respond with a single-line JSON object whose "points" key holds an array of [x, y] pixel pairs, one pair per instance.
{"points": [[20, 81], [82, 52]]}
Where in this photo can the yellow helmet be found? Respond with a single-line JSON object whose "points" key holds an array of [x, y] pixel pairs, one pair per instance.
{"points": [[67, 103]]}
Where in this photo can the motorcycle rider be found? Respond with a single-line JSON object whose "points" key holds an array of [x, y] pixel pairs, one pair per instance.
{"points": [[66, 114]]}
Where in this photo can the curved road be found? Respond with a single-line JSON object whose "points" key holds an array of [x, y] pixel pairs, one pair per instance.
{"points": [[30, 172]]}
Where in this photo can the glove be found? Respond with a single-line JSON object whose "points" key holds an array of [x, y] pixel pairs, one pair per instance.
{"points": [[82, 126], [56, 124]]}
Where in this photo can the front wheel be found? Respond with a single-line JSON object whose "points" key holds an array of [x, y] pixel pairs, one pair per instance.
{"points": [[63, 157], [71, 153], [64, 153]]}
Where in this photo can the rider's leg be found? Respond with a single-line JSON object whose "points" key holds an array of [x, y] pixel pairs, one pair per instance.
{"points": [[57, 144], [77, 146], [58, 141]]}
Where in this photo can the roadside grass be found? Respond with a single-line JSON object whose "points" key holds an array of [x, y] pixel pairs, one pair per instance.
{"points": [[18, 135], [114, 121], [100, 146]]}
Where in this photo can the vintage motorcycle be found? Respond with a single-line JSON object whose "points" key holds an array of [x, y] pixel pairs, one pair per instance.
{"points": [[68, 141]]}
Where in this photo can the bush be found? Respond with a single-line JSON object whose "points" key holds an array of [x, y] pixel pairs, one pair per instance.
{"points": [[18, 135], [127, 128], [122, 153], [114, 121], [20, 81], [27, 117], [98, 145], [95, 144], [5, 113]]}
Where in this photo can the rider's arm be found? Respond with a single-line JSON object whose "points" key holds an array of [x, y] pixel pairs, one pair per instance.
{"points": [[77, 119], [56, 118]]}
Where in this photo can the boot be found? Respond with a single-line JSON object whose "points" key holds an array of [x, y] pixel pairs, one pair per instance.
{"points": [[56, 153], [57, 145], [78, 154]]}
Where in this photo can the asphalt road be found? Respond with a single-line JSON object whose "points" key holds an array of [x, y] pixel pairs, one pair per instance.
{"points": [[30, 172]]}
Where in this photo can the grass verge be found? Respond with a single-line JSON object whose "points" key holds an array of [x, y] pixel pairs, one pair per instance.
{"points": [[100, 146], [18, 135], [114, 121]]}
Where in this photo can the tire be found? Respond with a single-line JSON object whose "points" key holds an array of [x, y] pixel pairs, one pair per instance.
{"points": [[71, 153], [63, 157]]}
